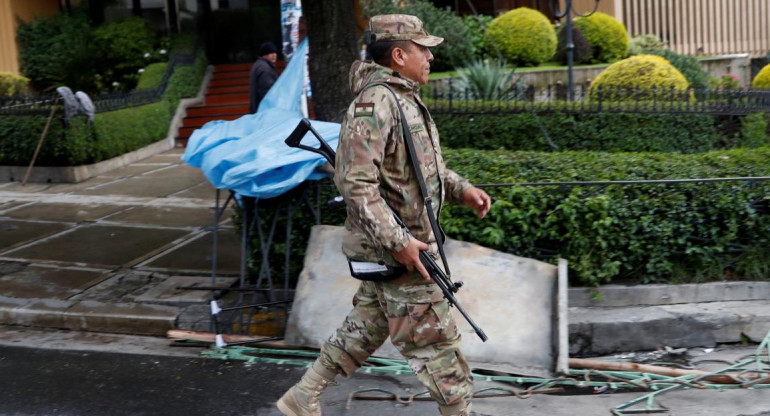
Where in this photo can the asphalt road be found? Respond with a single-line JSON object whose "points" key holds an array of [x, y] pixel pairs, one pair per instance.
{"points": [[85, 374]]}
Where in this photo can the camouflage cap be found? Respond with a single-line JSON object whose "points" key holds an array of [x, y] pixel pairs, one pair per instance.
{"points": [[392, 27]]}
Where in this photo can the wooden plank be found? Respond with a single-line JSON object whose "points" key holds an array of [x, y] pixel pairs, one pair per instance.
{"points": [[727, 378], [181, 335]]}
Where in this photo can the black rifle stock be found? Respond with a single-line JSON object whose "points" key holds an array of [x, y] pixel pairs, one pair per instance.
{"points": [[448, 288]]}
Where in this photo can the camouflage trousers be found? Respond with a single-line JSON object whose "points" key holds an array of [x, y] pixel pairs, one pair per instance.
{"points": [[416, 317]]}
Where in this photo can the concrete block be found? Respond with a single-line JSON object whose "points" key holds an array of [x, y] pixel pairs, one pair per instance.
{"points": [[513, 299]]}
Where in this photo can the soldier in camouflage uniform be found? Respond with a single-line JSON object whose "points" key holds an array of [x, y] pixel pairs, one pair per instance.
{"points": [[373, 172]]}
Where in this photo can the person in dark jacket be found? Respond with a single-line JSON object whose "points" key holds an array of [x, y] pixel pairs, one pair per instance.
{"points": [[262, 75]]}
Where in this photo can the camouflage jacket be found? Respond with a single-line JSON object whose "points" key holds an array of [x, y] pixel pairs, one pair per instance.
{"points": [[373, 169]]}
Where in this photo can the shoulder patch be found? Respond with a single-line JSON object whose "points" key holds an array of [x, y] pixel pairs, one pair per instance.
{"points": [[416, 128], [364, 109]]}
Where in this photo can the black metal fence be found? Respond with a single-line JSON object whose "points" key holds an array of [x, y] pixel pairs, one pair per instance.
{"points": [[22, 105], [445, 97]]}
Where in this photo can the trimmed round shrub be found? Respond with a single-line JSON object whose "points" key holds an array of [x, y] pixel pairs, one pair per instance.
{"points": [[524, 36], [688, 66], [607, 36], [762, 80], [582, 53], [638, 77]]}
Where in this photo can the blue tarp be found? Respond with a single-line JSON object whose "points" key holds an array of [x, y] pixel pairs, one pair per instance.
{"points": [[248, 155]]}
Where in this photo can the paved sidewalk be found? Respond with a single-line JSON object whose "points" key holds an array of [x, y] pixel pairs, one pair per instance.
{"points": [[107, 254]]}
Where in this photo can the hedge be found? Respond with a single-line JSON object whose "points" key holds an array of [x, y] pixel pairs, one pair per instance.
{"points": [[624, 132], [653, 233], [645, 233], [112, 133]]}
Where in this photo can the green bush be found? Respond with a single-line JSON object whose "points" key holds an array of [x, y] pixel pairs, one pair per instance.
{"points": [[643, 72], [11, 84], [643, 44], [607, 36], [648, 233], [120, 132], [62, 146], [55, 51], [65, 50], [754, 129], [457, 48], [477, 25], [612, 132], [524, 36], [582, 54], [123, 47], [185, 82], [762, 80], [688, 66], [152, 76]]}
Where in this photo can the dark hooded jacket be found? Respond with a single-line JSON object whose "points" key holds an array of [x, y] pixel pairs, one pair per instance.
{"points": [[261, 77]]}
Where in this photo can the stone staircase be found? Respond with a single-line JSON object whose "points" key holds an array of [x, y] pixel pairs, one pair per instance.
{"points": [[227, 98]]}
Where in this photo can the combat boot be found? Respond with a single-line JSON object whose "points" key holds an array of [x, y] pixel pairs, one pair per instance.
{"points": [[304, 399], [459, 409]]}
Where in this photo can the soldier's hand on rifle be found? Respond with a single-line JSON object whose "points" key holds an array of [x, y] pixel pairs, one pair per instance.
{"points": [[410, 257], [477, 200]]}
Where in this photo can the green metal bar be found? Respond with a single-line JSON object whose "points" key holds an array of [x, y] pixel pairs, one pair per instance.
{"points": [[658, 384]]}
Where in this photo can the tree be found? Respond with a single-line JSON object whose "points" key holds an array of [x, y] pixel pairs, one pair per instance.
{"points": [[331, 28]]}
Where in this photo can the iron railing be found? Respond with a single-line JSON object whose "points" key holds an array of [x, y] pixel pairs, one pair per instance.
{"points": [[25, 105], [446, 97]]}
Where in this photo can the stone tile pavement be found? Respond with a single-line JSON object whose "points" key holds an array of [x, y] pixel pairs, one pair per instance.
{"points": [[108, 254]]}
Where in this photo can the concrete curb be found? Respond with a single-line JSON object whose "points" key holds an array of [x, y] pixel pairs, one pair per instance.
{"points": [[607, 330], [593, 330], [619, 295], [93, 316], [76, 174]]}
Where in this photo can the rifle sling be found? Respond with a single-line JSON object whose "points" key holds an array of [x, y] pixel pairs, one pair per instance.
{"points": [[418, 172]]}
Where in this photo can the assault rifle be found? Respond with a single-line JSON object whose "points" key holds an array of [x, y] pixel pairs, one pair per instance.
{"points": [[448, 288]]}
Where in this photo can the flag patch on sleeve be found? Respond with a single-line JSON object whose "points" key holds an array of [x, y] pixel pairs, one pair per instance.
{"points": [[364, 109]]}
